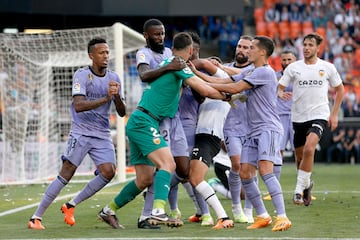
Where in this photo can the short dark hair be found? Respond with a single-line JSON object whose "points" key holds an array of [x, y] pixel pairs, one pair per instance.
{"points": [[288, 51], [216, 58], [315, 36], [195, 37], [95, 41], [246, 37], [266, 43], [151, 22], [182, 40]]}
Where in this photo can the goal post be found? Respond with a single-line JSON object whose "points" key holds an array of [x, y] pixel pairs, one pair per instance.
{"points": [[35, 90]]}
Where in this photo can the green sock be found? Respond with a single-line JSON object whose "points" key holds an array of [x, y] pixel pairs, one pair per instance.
{"points": [[162, 185], [128, 193]]}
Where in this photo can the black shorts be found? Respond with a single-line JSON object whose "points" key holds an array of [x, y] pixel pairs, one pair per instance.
{"points": [[301, 130], [206, 147], [220, 172]]}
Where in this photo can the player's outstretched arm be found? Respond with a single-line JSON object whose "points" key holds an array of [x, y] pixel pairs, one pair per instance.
{"points": [[206, 77], [147, 74], [203, 88]]}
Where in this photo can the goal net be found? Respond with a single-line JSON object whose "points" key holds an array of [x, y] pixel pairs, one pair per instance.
{"points": [[35, 86]]}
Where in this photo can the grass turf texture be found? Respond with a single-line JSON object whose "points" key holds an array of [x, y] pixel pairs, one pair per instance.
{"points": [[334, 214]]}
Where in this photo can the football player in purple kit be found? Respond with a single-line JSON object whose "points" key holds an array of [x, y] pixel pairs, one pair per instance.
{"points": [[235, 129], [262, 145], [284, 111], [94, 88]]}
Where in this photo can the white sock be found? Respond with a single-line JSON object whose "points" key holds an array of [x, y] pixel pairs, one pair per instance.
{"points": [[210, 197], [303, 181]]}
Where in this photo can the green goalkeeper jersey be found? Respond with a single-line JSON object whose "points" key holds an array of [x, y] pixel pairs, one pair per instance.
{"points": [[161, 97]]}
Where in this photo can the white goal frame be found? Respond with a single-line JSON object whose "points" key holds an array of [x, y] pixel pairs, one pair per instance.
{"points": [[122, 41]]}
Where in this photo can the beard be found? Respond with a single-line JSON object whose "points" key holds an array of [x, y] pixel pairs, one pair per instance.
{"points": [[241, 59], [156, 47]]}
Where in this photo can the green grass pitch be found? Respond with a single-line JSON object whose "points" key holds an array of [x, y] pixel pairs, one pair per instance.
{"points": [[334, 214]]}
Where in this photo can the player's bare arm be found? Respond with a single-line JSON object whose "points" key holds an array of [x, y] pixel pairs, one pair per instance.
{"points": [[206, 77], [120, 105], [333, 119], [282, 94], [232, 88], [81, 104], [230, 70], [205, 64], [147, 74], [203, 88]]}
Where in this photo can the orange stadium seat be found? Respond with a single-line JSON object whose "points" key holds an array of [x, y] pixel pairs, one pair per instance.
{"points": [[295, 29], [272, 29], [321, 31], [261, 28], [259, 14], [275, 62], [268, 3], [356, 65], [284, 30], [307, 27]]}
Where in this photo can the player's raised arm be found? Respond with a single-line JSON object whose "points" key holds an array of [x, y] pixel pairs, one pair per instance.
{"points": [[204, 89]]}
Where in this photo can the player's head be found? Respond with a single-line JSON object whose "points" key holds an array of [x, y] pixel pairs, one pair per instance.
{"points": [[182, 45], [154, 34], [265, 43], [311, 45], [98, 51], [287, 57], [261, 48], [196, 45], [216, 58], [242, 50], [93, 42]]}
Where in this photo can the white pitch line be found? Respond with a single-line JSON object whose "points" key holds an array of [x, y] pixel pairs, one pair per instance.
{"points": [[15, 210]]}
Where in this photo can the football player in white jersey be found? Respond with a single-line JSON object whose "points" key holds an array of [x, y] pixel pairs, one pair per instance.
{"points": [[311, 78]]}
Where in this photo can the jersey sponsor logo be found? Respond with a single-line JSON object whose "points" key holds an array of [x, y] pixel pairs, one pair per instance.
{"points": [[76, 88], [142, 57], [315, 83]]}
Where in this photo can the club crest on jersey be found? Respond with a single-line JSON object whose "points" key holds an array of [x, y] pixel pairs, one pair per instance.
{"points": [[187, 70], [91, 77], [321, 73], [76, 88], [156, 141], [142, 57]]}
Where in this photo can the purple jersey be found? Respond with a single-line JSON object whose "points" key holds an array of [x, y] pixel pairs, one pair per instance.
{"points": [[147, 56], [93, 122], [261, 102], [188, 109], [284, 106], [236, 120]]}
